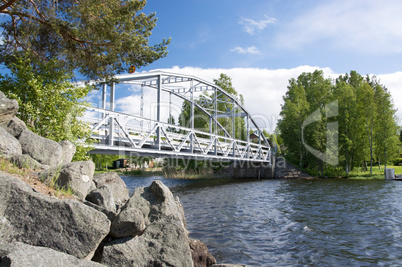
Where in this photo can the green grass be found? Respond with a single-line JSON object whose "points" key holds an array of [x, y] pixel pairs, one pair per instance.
{"points": [[65, 192], [189, 173], [356, 173], [24, 173], [8, 167], [377, 173]]}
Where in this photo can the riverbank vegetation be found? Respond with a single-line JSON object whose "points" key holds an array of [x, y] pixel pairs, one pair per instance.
{"points": [[29, 176], [377, 173], [49, 104], [338, 127]]}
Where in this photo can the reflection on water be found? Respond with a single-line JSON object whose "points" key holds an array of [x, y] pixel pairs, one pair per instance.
{"points": [[292, 222]]}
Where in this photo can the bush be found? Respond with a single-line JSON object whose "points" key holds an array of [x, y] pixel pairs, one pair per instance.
{"points": [[397, 161]]}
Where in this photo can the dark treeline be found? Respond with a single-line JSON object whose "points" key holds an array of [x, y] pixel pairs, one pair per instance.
{"points": [[332, 126]]}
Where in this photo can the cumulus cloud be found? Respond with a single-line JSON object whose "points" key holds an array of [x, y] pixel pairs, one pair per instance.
{"points": [[248, 50], [262, 89], [393, 82], [131, 104], [361, 25], [250, 26]]}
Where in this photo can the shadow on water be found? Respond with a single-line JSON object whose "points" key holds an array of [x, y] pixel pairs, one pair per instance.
{"points": [[178, 185]]}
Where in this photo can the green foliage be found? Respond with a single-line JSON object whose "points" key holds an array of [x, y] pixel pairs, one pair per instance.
{"points": [[365, 116], [8, 167], [223, 105], [104, 161], [400, 137], [385, 127], [48, 103], [201, 120], [98, 38], [397, 161], [274, 140]]}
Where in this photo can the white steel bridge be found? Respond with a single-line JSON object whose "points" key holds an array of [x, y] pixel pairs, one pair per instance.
{"points": [[157, 135]]}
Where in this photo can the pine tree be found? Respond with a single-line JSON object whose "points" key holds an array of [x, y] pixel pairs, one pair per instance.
{"points": [[97, 38]]}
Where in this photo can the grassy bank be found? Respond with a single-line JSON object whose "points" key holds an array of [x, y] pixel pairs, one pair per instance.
{"points": [[173, 173], [30, 177], [377, 172], [357, 173], [203, 173]]}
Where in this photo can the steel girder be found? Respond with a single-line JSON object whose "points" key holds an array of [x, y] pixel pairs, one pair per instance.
{"points": [[114, 133]]}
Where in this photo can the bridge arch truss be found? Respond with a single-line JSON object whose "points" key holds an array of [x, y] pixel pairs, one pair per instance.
{"points": [[117, 132]]}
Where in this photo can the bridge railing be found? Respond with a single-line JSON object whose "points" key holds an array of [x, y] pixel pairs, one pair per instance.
{"points": [[113, 130]]}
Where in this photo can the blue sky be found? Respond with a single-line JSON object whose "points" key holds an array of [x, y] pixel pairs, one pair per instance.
{"points": [[261, 44], [365, 36]]}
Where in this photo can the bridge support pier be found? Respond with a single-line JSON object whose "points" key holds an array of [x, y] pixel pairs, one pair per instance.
{"points": [[251, 170]]}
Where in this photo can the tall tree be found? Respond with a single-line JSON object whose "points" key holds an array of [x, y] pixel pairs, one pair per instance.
{"points": [[385, 136], [400, 136], [224, 106], [365, 117], [318, 94], [201, 120], [294, 112], [347, 120], [227, 106], [99, 38], [366, 111]]}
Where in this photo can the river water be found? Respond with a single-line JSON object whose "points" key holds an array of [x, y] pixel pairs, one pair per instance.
{"points": [[293, 222]]}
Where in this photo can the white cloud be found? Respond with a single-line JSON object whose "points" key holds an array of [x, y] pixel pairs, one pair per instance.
{"points": [[393, 82], [248, 50], [262, 89], [251, 26], [131, 104], [360, 25]]}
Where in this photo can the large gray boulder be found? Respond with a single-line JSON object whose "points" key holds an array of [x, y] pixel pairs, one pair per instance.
{"points": [[25, 161], [15, 127], [163, 243], [43, 150], [130, 222], [116, 186], [8, 144], [150, 231], [8, 109], [76, 175], [200, 254], [36, 219], [145, 206], [20, 254], [68, 149], [102, 197]]}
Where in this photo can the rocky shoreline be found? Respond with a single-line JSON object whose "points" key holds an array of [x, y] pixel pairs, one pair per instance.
{"points": [[102, 226]]}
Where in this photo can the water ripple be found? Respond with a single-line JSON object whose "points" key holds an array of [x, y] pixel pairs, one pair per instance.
{"points": [[293, 223]]}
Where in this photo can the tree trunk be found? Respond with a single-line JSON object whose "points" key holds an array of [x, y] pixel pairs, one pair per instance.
{"points": [[322, 168], [371, 150]]}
